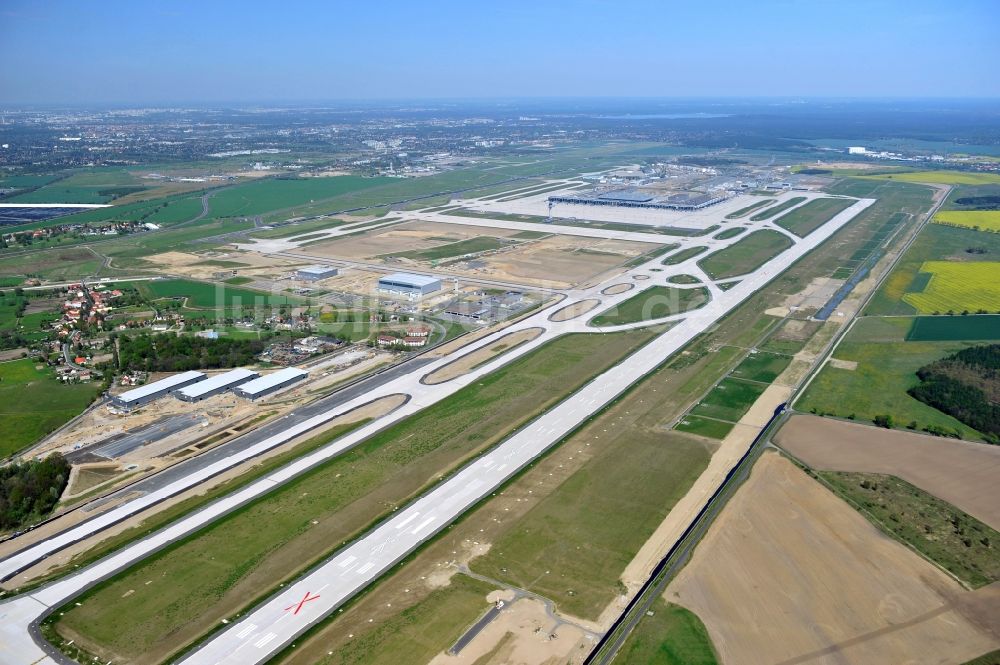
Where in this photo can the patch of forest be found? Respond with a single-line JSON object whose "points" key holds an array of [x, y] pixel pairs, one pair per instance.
{"points": [[179, 353], [966, 386], [30, 490]]}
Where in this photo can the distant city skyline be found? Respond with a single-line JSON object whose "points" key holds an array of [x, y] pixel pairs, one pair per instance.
{"points": [[119, 52]]}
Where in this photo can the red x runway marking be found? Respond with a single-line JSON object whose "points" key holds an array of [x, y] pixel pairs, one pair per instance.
{"points": [[305, 599]]}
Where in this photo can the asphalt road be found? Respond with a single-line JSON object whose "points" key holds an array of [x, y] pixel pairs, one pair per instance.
{"points": [[477, 628]]}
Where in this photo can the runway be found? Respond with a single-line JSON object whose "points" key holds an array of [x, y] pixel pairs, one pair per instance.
{"points": [[270, 627]]}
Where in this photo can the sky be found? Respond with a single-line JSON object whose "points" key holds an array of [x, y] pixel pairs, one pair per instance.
{"points": [[138, 52]]}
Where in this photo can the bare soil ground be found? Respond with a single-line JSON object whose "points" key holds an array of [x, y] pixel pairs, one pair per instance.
{"points": [[553, 261], [815, 295], [399, 238], [472, 360], [84, 477], [523, 634], [199, 266], [574, 310], [960, 472], [617, 288], [573, 259], [12, 354], [791, 574]]}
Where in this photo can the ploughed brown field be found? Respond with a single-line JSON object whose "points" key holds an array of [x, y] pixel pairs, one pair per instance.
{"points": [[962, 473], [790, 573]]}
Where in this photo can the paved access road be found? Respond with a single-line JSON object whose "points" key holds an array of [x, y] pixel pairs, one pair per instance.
{"points": [[270, 627]]}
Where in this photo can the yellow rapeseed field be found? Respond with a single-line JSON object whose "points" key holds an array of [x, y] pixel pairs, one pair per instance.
{"points": [[943, 177], [985, 220], [958, 286]]}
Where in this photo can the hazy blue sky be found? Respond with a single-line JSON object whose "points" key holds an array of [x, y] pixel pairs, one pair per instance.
{"points": [[142, 52]]}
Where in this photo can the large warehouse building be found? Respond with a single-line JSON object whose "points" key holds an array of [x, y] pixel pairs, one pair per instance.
{"points": [[270, 383], [147, 393], [408, 284], [215, 385], [314, 273]]}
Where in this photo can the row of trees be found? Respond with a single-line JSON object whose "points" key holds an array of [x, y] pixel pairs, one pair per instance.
{"points": [[29, 490]]}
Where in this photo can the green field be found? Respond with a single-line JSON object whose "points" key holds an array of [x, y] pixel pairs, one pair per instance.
{"points": [[683, 255], [272, 194], [707, 427], [237, 281], [807, 218], [98, 185], [573, 545], [683, 279], [746, 255], [470, 246], [653, 303], [954, 540], [671, 635], [991, 658], [55, 264], [762, 366], [529, 235], [729, 400], [210, 575], [780, 208], [175, 211], [202, 295], [946, 328], [33, 403], [886, 369], [731, 232], [742, 212], [24, 181]]}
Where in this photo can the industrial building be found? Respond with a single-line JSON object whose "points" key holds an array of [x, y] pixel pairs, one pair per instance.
{"points": [[269, 383], [634, 198], [473, 311], [215, 385], [147, 393], [408, 284], [314, 273]]}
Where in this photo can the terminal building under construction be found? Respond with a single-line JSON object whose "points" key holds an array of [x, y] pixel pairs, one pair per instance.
{"points": [[638, 198]]}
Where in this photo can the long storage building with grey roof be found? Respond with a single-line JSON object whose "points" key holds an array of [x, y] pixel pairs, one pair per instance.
{"points": [[144, 394], [215, 385], [269, 383]]}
